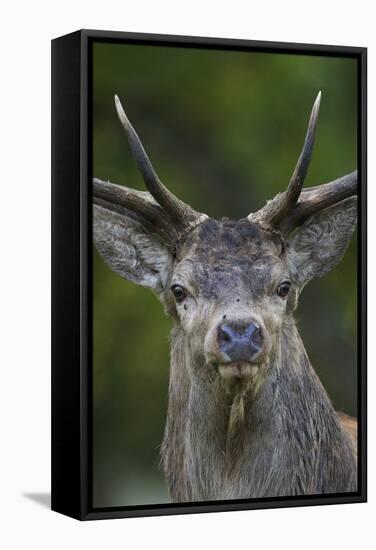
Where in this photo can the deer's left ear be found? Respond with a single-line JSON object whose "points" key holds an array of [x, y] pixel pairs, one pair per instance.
{"points": [[318, 246]]}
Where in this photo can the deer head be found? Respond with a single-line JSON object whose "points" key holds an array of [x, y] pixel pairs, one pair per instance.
{"points": [[229, 286]]}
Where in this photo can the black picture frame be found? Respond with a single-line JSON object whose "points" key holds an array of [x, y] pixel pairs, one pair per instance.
{"points": [[71, 275]]}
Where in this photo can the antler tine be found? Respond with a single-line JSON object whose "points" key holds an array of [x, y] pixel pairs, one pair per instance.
{"points": [[139, 205], [178, 211], [297, 180], [314, 199], [276, 211]]}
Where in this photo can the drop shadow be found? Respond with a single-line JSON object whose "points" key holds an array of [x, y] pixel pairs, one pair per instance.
{"points": [[43, 499]]}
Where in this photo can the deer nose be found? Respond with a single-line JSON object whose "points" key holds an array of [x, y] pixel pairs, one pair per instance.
{"points": [[240, 342]]}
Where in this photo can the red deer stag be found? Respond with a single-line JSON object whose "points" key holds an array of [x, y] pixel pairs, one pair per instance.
{"points": [[247, 415]]}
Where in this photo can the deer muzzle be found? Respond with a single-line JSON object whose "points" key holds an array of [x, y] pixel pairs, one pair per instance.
{"points": [[240, 342], [237, 347]]}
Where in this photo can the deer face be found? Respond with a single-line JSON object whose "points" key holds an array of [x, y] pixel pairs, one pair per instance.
{"points": [[229, 285], [229, 294]]}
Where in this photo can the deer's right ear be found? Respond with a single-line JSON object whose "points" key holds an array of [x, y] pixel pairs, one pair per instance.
{"points": [[130, 250]]}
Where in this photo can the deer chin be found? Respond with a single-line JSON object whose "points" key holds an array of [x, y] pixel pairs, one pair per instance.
{"points": [[238, 370]]}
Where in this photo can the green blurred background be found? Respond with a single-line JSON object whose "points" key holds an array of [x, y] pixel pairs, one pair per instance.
{"points": [[224, 130]]}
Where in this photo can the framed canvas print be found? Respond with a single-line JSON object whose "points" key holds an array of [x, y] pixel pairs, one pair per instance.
{"points": [[209, 275]]}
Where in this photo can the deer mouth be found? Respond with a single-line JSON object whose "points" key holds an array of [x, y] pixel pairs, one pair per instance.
{"points": [[238, 369]]}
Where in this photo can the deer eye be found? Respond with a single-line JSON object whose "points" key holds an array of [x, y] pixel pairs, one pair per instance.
{"points": [[283, 289], [179, 292]]}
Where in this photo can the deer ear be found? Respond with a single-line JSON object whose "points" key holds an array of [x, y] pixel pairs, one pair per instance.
{"points": [[319, 245], [130, 250]]}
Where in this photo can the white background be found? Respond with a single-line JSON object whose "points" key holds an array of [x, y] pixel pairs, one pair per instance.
{"points": [[27, 28]]}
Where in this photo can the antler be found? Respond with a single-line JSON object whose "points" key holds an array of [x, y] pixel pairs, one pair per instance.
{"points": [[319, 197], [158, 210], [179, 212], [285, 212], [138, 205], [292, 207]]}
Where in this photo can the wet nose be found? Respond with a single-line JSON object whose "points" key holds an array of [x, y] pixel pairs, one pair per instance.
{"points": [[240, 342]]}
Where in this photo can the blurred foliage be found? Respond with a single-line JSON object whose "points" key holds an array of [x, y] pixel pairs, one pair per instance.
{"points": [[224, 130]]}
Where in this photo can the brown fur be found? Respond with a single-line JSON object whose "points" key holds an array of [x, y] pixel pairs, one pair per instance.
{"points": [[350, 424], [272, 431], [257, 422]]}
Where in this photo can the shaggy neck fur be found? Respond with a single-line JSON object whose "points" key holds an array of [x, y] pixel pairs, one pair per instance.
{"points": [[285, 439]]}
